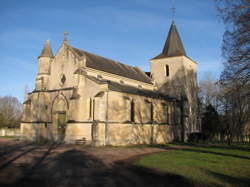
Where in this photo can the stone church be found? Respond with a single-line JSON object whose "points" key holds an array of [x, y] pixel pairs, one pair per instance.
{"points": [[86, 98]]}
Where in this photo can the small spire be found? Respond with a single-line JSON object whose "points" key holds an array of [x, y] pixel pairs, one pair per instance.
{"points": [[46, 52]]}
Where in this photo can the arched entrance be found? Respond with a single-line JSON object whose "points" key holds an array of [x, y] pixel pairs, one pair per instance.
{"points": [[59, 118]]}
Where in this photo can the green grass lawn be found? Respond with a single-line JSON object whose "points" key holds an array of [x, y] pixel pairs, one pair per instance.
{"points": [[212, 165]]}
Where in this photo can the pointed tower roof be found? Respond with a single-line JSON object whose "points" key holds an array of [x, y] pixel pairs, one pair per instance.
{"points": [[46, 52], [173, 45]]}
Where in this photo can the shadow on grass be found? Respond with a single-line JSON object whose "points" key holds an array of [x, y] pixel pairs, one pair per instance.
{"points": [[239, 147], [216, 153], [78, 168], [226, 179]]}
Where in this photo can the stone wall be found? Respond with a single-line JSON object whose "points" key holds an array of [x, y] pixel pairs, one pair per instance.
{"points": [[130, 134], [78, 131], [101, 134], [10, 132], [33, 131]]}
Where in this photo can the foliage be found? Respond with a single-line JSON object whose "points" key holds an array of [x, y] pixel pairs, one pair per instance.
{"points": [[210, 122], [196, 137], [10, 112], [206, 165]]}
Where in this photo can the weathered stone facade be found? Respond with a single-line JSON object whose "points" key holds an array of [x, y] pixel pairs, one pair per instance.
{"points": [[83, 97]]}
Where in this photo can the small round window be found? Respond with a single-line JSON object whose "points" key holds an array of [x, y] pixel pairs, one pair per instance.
{"points": [[63, 79]]}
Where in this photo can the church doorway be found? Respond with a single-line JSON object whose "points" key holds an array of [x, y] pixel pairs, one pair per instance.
{"points": [[61, 126], [59, 118]]}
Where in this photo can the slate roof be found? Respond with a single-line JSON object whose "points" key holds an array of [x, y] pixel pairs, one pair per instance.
{"points": [[46, 52], [173, 45], [114, 86], [110, 66]]}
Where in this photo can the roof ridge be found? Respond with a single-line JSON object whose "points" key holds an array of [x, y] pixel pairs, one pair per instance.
{"points": [[103, 57], [114, 67]]}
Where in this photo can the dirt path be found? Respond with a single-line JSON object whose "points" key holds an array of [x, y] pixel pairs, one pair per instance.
{"points": [[25, 164]]}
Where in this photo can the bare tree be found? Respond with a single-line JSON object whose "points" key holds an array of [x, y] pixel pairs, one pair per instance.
{"points": [[236, 111], [236, 42], [208, 91], [235, 78], [10, 111]]}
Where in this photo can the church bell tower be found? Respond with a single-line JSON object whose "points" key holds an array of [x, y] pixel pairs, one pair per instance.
{"points": [[175, 74]]}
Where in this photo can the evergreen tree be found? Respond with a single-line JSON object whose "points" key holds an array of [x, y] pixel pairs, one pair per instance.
{"points": [[210, 122]]}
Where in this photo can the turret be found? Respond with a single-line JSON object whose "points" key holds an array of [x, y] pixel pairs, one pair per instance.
{"points": [[45, 59], [44, 62]]}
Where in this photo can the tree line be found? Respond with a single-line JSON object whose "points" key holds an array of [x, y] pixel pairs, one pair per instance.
{"points": [[226, 102]]}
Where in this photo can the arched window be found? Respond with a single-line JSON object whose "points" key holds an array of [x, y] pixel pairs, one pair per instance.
{"points": [[148, 111], [165, 113], [127, 105], [132, 111], [89, 107], [152, 113], [129, 109], [167, 70], [100, 107]]}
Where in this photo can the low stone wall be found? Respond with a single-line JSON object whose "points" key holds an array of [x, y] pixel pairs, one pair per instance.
{"points": [[33, 131], [10, 132]]}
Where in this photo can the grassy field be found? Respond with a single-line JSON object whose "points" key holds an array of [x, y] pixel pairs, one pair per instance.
{"points": [[204, 165]]}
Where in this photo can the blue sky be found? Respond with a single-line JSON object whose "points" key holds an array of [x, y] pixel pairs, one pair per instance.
{"points": [[129, 31]]}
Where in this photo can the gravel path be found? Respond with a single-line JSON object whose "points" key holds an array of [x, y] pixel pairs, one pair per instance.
{"points": [[25, 164]]}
